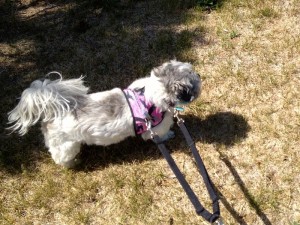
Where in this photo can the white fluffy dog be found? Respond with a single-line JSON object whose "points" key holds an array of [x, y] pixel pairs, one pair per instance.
{"points": [[69, 116]]}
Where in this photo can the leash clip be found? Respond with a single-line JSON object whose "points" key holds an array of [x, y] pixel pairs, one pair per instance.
{"points": [[176, 114], [219, 221]]}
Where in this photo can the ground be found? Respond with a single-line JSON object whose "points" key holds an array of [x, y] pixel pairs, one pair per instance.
{"points": [[245, 124]]}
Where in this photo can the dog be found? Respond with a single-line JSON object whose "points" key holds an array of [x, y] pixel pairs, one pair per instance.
{"points": [[70, 116]]}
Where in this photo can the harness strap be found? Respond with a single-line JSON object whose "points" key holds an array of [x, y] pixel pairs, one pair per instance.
{"points": [[200, 210]]}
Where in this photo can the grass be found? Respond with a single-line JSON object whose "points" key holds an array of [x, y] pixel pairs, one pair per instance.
{"points": [[246, 123]]}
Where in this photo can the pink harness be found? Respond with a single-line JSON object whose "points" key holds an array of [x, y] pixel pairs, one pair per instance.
{"points": [[142, 110]]}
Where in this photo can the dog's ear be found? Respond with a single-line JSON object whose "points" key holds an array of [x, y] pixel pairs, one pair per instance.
{"points": [[163, 70], [155, 72], [175, 86]]}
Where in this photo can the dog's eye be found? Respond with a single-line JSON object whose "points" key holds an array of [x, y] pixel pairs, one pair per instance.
{"points": [[185, 96]]}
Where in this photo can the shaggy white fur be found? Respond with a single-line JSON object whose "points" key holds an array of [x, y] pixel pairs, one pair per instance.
{"points": [[69, 116]]}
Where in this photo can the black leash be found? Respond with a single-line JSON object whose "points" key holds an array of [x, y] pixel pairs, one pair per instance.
{"points": [[200, 210]]}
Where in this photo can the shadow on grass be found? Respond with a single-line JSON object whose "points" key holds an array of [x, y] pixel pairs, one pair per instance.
{"points": [[101, 39], [221, 128], [111, 42]]}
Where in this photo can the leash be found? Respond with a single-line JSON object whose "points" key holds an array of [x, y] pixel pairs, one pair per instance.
{"points": [[213, 218]]}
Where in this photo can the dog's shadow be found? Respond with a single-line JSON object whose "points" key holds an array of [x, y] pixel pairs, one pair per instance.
{"points": [[221, 128]]}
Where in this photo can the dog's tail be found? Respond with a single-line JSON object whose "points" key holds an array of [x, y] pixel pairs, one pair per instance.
{"points": [[46, 100]]}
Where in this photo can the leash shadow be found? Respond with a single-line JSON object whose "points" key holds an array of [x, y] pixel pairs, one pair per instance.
{"points": [[226, 129], [221, 128], [250, 198]]}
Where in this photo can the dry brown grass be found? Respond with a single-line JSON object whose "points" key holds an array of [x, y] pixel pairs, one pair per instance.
{"points": [[246, 123]]}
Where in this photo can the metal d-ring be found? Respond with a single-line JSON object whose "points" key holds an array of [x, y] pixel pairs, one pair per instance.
{"points": [[148, 124]]}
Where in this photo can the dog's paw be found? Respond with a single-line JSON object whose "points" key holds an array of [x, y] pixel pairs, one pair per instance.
{"points": [[72, 163], [168, 136]]}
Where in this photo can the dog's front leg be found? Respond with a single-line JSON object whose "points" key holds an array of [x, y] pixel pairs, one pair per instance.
{"points": [[162, 129], [169, 135]]}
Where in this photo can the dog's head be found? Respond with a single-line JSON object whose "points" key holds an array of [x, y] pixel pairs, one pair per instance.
{"points": [[182, 83]]}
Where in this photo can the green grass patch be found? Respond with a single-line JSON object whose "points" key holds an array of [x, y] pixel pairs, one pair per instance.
{"points": [[267, 12]]}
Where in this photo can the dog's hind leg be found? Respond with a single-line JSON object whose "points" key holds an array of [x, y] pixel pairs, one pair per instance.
{"points": [[62, 148], [65, 154]]}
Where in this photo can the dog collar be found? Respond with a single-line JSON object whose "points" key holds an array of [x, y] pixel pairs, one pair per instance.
{"points": [[142, 110]]}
